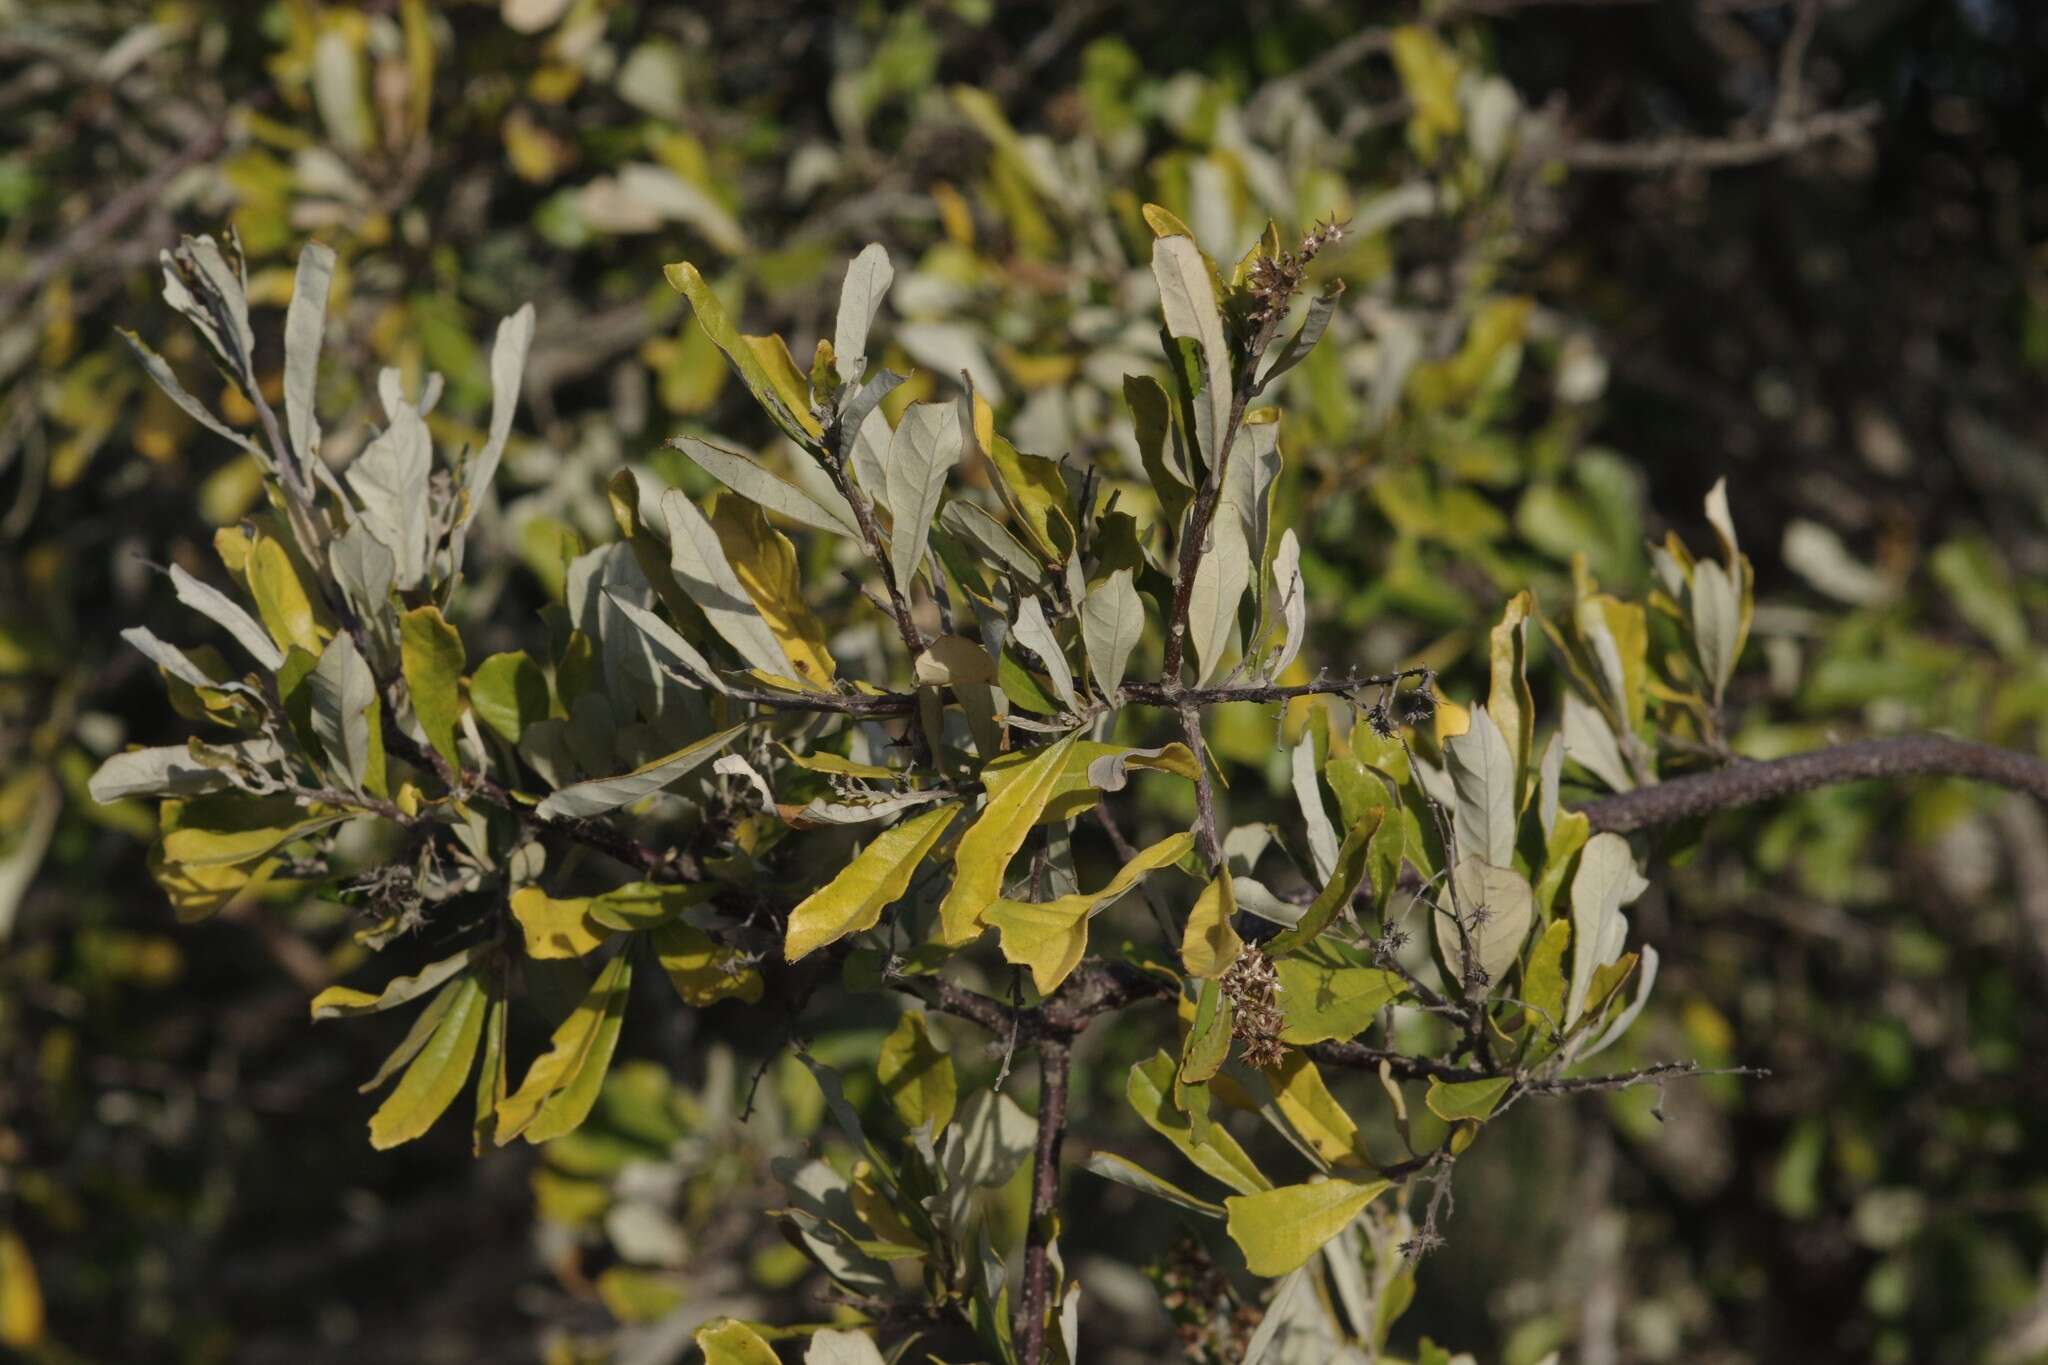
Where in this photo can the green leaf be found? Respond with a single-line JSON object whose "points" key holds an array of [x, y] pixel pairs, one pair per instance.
{"points": [[1543, 980], [746, 361], [390, 480], [1110, 1166], [1455, 1101], [1716, 623], [647, 905], [436, 1076], [1324, 995], [601, 794], [853, 901], [562, 1084], [916, 1076], [729, 1341], [1208, 1042], [1352, 862], [1035, 633], [984, 854], [1222, 576], [431, 654], [1278, 1230], [1979, 584], [508, 693]]}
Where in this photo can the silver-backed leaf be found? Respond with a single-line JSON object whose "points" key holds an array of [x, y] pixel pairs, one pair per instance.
{"points": [[821, 511], [1482, 770], [173, 661], [1034, 633], [390, 480], [159, 370], [1313, 324], [602, 794], [227, 328], [702, 570], [1308, 794], [1590, 743], [1291, 597], [1221, 577], [972, 524], [305, 325], [924, 448], [166, 771], [225, 612], [1112, 620], [860, 300], [1607, 879], [343, 691], [668, 645], [508, 369], [1187, 297]]}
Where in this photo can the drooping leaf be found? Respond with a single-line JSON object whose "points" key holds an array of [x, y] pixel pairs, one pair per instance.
{"points": [[562, 1084], [1348, 873], [853, 901], [764, 561], [437, 1074]]}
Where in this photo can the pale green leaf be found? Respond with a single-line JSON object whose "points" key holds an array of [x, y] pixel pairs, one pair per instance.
{"points": [[1279, 1230], [853, 900], [601, 794]]}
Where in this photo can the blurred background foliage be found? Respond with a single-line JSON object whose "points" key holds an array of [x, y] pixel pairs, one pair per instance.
{"points": [[1599, 256]]}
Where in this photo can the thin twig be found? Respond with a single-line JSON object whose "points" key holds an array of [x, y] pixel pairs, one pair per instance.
{"points": [[1055, 1058]]}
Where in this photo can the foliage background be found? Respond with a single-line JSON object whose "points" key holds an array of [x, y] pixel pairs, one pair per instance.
{"points": [[1851, 329]]}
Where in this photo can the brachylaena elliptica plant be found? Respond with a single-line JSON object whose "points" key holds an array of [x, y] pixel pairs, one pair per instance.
{"points": [[766, 783]]}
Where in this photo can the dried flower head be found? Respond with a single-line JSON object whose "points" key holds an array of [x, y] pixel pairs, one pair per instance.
{"points": [[1252, 987]]}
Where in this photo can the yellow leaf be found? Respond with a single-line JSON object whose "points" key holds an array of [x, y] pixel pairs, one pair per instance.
{"points": [[1278, 1230], [1051, 937], [1210, 944], [797, 422], [854, 900], [281, 599], [731, 1342], [771, 353], [1300, 1094], [562, 1084], [703, 972], [916, 1076], [986, 849], [21, 1297], [431, 656], [435, 1077], [220, 831], [556, 928], [1036, 494], [765, 563]]}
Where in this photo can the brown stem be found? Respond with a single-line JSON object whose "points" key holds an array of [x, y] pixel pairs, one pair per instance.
{"points": [[871, 534], [1055, 1056], [1745, 784]]}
